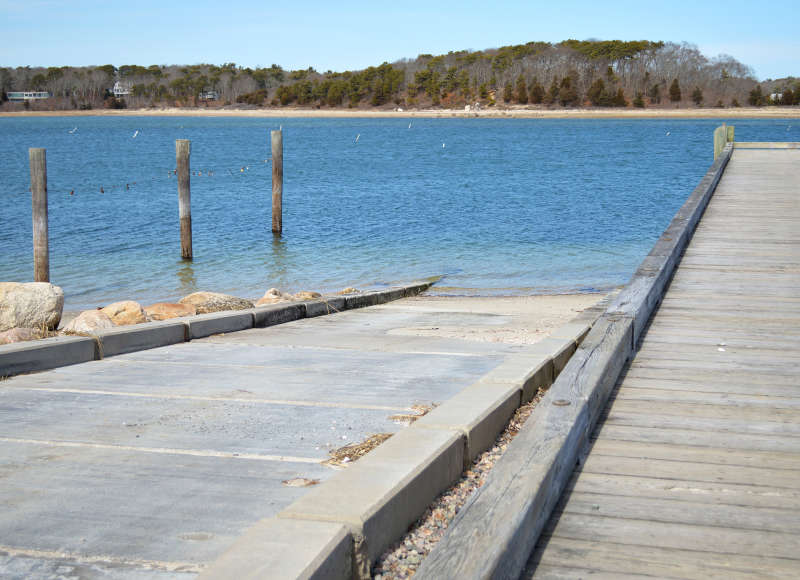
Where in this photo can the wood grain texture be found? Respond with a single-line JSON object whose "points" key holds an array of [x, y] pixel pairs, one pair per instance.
{"points": [[41, 244], [694, 470], [276, 143], [182, 152], [491, 537]]}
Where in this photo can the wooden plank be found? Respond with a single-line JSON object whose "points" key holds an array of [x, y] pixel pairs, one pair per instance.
{"points": [[765, 145], [732, 427], [691, 378], [677, 536], [608, 558], [647, 432], [710, 410], [576, 573], [687, 490], [720, 366], [668, 396], [692, 471], [727, 516], [717, 456]]}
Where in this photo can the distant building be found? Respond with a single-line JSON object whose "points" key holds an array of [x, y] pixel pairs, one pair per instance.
{"points": [[20, 96], [121, 89], [209, 96], [776, 96]]}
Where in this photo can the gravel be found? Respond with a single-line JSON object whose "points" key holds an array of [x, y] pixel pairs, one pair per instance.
{"points": [[403, 558]]}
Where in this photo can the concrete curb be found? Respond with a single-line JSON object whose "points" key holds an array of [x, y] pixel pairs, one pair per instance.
{"points": [[67, 350], [140, 337], [379, 497], [269, 551], [495, 532], [49, 353]]}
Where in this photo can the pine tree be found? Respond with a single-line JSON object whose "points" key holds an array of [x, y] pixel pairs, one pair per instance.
{"points": [[508, 92], [522, 91], [675, 91], [697, 96], [537, 93]]}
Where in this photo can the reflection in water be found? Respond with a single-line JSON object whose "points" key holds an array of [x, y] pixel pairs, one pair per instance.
{"points": [[186, 277]]}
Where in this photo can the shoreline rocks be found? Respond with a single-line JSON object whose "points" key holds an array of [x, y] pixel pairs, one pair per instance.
{"points": [[19, 335], [30, 305], [169, 310], [89, 322], [125, 312], [205, 302]]}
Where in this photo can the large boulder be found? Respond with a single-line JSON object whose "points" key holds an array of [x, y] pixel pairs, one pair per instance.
{"points": [[273, 296], [167, 310], [125, 312], [19, 335], [215, 302], [89, 322], [30, 305], [306, 295]]}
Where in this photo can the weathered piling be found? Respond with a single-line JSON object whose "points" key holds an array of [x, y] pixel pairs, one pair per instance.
{"points": [[277, 181], [722, 135], [182, 151], [41, 248]]}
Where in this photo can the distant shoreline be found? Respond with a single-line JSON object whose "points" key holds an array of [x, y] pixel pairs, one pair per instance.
{"points": [[490, 113]]}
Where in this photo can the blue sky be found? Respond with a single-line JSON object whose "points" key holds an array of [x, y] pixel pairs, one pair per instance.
{"points": [[352, 35]]}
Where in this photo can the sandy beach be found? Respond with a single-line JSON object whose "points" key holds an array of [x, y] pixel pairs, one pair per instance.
{"points": [[488, 112]]}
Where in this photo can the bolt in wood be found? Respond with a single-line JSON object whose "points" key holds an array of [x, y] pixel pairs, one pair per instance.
{"points": [[277, 181], [182, 151], [41, 248]]}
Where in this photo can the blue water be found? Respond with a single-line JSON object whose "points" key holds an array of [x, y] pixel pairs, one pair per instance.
{"points": [[498, 206]]}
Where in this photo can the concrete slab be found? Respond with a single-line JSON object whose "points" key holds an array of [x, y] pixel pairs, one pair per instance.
{"points": [[197, 437], [387, 328], [185, 424], [392, 381], [124, 506]]}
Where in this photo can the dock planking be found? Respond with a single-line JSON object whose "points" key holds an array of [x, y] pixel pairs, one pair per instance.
{"points": [[694, 470]]}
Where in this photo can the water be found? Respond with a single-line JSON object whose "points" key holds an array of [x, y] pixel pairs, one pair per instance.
{"points": [[498, 206]]}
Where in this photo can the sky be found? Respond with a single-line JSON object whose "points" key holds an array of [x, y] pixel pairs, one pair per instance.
{"points": [[331, 35]]}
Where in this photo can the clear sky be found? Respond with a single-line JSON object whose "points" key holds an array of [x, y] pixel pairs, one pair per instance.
{"points": [[342, 35]]}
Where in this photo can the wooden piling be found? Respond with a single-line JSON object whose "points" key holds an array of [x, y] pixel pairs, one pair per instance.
{"points": [[182, 151], [41, 248], [277, 181]]}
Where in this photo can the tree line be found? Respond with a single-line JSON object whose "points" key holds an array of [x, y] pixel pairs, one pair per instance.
{"points": [[572, 73]]}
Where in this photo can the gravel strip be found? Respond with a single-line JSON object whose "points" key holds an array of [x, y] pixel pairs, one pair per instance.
{"points": [[403, 558]]}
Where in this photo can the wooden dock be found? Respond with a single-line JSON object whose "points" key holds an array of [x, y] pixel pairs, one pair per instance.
{"points": [[694, 470]]}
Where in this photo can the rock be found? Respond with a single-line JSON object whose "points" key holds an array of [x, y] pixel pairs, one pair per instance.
{"points": [[349, 290], [167, 310], [266, 300], [125, 312], [89, 322], [305, 295], [30, 305], [19, 335], [215, 302]]}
